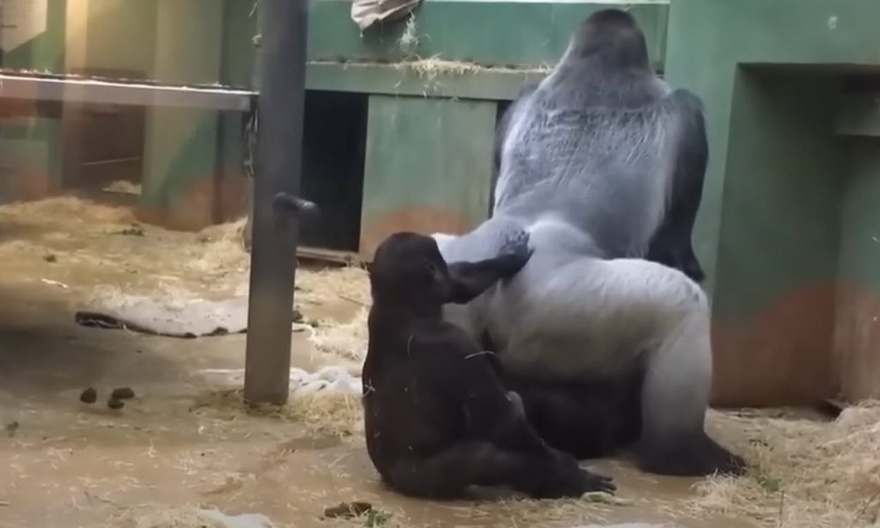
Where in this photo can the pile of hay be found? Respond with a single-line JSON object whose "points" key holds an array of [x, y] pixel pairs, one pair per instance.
{"points": [[806, 474], [324, 413], [66, 211]]}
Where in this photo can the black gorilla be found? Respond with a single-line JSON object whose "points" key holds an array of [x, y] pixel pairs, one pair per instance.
{"points": [[437, 418]]}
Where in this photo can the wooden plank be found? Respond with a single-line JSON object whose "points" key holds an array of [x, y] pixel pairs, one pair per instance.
{"points": [[421, 79], [91, 91]]}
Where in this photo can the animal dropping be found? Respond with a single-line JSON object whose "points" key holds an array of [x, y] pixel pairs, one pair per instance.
{"points": [[122, 393], [90, 395]]}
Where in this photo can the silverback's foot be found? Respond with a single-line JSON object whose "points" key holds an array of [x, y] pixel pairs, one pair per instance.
{"points": [[696, 455]]}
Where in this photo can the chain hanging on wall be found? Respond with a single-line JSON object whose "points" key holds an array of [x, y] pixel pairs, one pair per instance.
{"points": [[251, 120], [250, 132]]}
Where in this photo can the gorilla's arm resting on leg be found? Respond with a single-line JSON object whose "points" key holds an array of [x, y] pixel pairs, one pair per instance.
{"points": [[471, 279]]}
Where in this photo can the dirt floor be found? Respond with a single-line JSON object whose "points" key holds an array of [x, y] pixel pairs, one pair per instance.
{"points": [[185, 440]]}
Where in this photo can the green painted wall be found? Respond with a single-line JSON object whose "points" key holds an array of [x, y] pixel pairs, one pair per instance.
{"points": [[857, 338], [30, 147], [710, 39], [121, 34], [428, 166], [860, 233], [770, 225], [192, 158], [782, 191], [182, 144], [487, 32]]}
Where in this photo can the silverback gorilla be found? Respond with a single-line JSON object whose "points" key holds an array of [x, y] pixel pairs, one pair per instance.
{"points": [[670, 242], [600, 162], [437, 418]]}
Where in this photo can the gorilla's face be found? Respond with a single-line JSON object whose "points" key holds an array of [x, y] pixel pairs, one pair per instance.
{"points": [[408, 267]]}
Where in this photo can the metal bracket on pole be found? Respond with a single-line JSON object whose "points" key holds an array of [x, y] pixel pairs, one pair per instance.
{"points": [[288, 203]]}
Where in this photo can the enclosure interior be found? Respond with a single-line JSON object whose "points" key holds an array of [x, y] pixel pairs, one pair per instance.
{"points": [[502, 108], [797, 282], [334, 143], [179, 167]]}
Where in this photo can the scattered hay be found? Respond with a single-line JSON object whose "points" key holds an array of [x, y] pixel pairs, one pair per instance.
{"points": [[347, 341], [409, 40], [328, 413], [344, 340], [531, 512], [806, 473], [349, 283], [124, 187], [430, 68], [63, 210], [222, 249], [433, 67], [323, 413]]}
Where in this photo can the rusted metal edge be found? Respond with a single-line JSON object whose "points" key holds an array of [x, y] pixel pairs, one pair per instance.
{"points": [[122, 93]]}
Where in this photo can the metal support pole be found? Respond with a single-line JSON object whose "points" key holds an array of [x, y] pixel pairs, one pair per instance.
{"points": [[282, 72]]}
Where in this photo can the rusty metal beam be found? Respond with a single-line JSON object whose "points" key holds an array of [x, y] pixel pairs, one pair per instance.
{"points": [[79, 90], [282, 72]]}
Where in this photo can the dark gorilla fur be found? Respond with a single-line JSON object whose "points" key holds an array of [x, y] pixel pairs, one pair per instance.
{"points": [[586, 418], [437, 418], [602, 163]]}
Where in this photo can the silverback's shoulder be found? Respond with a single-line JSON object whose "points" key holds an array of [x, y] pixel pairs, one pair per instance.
{"points": [[686, 101]]}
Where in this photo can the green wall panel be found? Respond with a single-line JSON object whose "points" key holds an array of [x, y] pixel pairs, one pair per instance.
{"points": [[860, 235], [781, 221], [857, 336], [486, 32], [121, 35], [708, 40], [428, 166], [771, 74], [182, 145], [42, 160]]}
